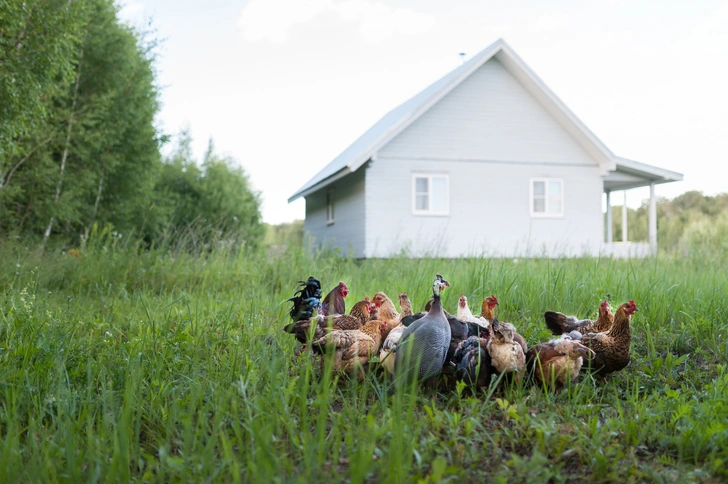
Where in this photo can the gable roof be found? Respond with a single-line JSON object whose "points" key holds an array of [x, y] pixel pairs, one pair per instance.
{"points": [[397, 120]]}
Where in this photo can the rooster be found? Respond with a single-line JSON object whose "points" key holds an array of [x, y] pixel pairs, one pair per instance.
{"points": [[559, 323], [352, 348], [611, 348], [506, 354], [306, 300], [334, 304], [464, 313], [357, 317], [557, 361]]}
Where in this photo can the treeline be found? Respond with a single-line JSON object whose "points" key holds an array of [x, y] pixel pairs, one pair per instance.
{"points": [[79, 149], [689, 222]]}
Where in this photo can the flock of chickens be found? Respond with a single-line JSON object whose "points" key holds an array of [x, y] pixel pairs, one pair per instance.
{"points": [[434, 345]]}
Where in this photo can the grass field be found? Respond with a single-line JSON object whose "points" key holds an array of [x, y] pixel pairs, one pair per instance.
{"points": [[161, 366]]}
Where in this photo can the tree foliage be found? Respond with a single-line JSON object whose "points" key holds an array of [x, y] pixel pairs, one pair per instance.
{"points": [[38, 46], [691, 221], [213, 198], [78, 143]]}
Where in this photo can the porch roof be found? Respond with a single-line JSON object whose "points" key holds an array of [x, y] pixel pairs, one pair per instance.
{"points": [[633, 174]]}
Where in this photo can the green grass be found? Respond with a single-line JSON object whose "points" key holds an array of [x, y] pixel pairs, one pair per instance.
{"points": [[162, 366]]}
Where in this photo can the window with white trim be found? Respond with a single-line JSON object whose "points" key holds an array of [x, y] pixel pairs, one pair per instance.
{"points": [[430, 194], [329, 207], [547, 197]]}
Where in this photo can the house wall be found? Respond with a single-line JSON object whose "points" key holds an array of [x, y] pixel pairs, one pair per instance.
{"points": [[489, 211], [490, 136], [347, 232]]}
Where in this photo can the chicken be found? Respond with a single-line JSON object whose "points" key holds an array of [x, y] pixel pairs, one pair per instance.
{"points": [[559, 323], [386, 357], [558, 361], [387, 311], [352, 348], [405, 306], [464, 313], [423, 346], [357, 317], [373, 309], [460, 331], [506, 354], [611, 348], [487, 309], [334, 304], [472, 361], [306, 300]]}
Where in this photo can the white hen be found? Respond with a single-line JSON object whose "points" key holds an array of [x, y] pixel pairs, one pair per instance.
{"points": [[464, 314]]}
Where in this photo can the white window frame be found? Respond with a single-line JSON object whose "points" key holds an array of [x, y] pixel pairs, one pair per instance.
{"points": [[430, 176], [330, 208], [545, 214]]}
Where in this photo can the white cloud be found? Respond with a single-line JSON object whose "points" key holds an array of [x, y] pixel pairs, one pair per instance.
{"points": [[271, 19]]}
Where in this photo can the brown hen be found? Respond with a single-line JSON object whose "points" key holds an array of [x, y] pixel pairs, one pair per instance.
{"points": [[352, 348], [558, 361], [611, 348], [357, 317], [559, 323]]}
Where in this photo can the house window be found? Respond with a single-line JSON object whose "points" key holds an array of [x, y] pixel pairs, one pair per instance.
{"points": [[547, 197], [329, 208], [430, 194]]}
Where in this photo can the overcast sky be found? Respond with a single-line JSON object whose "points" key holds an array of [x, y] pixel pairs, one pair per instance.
{"points": [[284, 86]]}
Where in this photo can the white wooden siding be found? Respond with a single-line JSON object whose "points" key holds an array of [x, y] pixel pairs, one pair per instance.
{"points": [[491, 137], [489, 116], [347, 231], [489, 211]]}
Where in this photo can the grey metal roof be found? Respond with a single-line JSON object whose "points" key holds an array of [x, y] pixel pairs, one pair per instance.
{"points": [[363, 148], [366, 146]]}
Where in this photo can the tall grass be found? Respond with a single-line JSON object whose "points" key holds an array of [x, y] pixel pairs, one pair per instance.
{"points": [[122, 364]]}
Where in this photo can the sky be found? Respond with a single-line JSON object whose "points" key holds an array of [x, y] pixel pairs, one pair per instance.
{"points": [[283, 86]]}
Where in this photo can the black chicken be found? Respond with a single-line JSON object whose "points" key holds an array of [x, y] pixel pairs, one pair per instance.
{"points": [[472, 362], [306, 300]]}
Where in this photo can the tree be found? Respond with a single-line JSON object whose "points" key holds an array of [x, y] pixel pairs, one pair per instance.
{"points": [[95, 157], [211, 200], [38, 47]]}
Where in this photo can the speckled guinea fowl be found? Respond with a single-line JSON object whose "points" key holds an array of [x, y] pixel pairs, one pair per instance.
{"points": [[611, 347], [560, 323], [423, 346]]}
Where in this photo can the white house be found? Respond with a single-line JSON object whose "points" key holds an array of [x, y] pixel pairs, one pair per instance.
{"points": [[485, 161]]}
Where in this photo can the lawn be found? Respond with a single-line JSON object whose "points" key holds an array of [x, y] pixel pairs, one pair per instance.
{"points": [[126, 365]]}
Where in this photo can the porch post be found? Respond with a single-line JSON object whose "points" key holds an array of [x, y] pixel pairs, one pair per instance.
{"points": [[609, 217], [624, 218], [653, 219]]}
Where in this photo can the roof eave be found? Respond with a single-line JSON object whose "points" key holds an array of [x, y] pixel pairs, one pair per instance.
{"points": [[322, 184], [657, 174]]}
